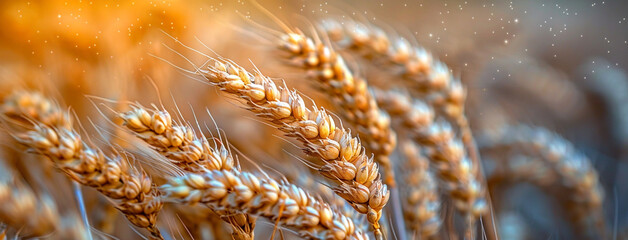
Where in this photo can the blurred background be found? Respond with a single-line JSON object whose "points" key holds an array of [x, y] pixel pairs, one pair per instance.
{"points": [[556, 64]]}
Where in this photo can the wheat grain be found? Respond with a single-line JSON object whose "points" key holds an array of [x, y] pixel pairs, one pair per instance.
{"points": [[573, 170], [193, 154], [285, 204], [312, 183], [344, 159], [55, 139], [350, 93]]}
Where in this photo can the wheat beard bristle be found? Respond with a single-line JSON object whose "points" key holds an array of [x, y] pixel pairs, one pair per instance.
{"points": [[285, 204], [43, 127], [193, 154], [344, 160]]}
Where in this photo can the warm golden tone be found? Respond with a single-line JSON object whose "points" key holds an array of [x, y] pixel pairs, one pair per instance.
{"points": [[332, 120]]}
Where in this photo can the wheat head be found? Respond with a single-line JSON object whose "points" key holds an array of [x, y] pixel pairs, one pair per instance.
{"points": [[49, 132], [344, 160], [284, 204], [192, 153], [350, 93]]}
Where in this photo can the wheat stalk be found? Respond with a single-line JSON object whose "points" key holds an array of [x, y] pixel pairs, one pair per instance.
{"points": [[193, 154], [48, 131], [350, 93], [574, 171], [344, 160], [284, 204]]}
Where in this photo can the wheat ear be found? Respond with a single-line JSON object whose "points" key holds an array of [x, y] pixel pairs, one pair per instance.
{"points": [[285, 204], [43, 127], [23, 211], [176, 141], [345, 161], [457, 174], [575, 173], [428, 78], [422, 201], [193, 154], [350, 93]]}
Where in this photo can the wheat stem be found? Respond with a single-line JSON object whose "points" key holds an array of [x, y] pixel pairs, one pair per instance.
{"points": [[79, 199]]}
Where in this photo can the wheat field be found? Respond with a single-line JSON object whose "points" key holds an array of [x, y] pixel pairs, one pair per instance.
{"points": [[205, 119]]}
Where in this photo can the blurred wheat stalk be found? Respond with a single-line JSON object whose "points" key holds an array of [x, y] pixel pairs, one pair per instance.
{"points": [[384, 143]]}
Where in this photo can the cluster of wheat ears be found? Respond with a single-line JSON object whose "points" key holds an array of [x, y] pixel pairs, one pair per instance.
{"points": [[386, 161]]}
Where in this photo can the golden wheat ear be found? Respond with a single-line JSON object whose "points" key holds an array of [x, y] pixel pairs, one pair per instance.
{"points": [[426, 77], [189, 151], [178, 142], [350, 94], [284, 204], [356, 176], [47, 130]]}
